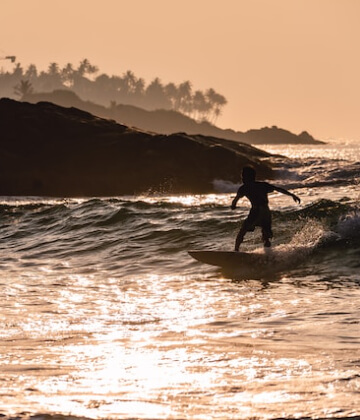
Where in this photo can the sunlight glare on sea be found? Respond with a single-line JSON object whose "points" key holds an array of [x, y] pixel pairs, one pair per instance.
{"points": [[187, 200], [347, 150]]}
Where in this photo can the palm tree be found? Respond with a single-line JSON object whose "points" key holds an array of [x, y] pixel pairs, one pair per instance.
{"points": [[184, 97], [155, 95], [53, 69], [67, 74], [23, 89], [80, 83], [201, 106], [171, 93], [86, 68], [52, 79], [129, 80], [216, 101], [139, 90], [220, 102], [31, 72], [18, 71]]}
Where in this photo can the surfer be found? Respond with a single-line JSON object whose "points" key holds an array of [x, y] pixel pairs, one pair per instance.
{"points": [[257, 193]]}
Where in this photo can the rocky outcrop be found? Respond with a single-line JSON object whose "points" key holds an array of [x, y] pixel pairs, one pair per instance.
{"points": [[168, 122], [49, 150]]}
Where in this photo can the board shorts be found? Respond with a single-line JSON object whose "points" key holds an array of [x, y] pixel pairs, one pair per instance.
{"points": [[259, 216]]}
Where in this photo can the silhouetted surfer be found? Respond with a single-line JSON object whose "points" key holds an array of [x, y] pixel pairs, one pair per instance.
{"points": [[259, 215]]}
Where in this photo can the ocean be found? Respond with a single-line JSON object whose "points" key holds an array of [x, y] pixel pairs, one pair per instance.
{"points": [[104, 315]]}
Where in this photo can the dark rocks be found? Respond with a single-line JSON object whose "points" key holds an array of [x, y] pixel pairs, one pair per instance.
{"points": [[276, 135], [49, 150]]}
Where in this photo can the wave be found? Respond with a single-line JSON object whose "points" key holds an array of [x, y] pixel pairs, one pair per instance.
{"points": [[115, 231], [320, 172], [100, 214]]}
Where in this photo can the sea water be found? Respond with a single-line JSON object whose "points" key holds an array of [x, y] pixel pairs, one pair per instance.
{"points": [[105, 315]]}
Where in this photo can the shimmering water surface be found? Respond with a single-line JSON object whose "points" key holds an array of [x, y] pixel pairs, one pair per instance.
{"points": [[104, 314]]}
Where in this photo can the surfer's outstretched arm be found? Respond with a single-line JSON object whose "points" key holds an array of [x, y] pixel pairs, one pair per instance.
{"points": [[286, 192], [239, 195]]}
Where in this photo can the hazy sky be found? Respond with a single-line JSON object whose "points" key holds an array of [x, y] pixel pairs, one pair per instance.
{"points": [[290, 63]]}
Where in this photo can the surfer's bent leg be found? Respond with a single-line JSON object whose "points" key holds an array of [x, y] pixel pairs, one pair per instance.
{"points": [[266, 233], [267, 243], [240, 236], [247, 226], [239, 240]]}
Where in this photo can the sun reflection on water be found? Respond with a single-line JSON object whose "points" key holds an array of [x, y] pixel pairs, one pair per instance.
{"points": [[187, 200], [330, 150], [166, 345]]}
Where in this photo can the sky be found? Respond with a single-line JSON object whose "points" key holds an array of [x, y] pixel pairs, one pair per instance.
{"points": [[290, 63]]}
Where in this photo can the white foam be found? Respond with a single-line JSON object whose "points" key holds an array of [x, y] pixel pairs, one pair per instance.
{"points": [[223, 186], [302, 244]]}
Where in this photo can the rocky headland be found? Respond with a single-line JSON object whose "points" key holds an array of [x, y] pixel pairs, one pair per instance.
{"points": [[168, 122], [50, 150]]}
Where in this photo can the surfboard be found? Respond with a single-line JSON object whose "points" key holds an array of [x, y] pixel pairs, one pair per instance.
{"points": [[257, 264], [230, 259]]}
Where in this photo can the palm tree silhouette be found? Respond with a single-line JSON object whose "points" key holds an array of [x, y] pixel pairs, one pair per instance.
{"points": [[216, 102], [67, 74], [126, 89], [23, 89], [155, 95], [31, 72], [184, 97], [201, 106]]}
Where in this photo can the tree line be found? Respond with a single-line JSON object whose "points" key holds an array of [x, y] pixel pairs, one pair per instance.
{"points": [[110, 91]]}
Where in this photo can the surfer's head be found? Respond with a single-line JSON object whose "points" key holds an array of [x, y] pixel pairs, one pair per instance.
{"points": [[248, 174]]}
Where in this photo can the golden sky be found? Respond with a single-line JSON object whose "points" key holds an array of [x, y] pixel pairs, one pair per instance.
{"points": [[290, 63]]}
